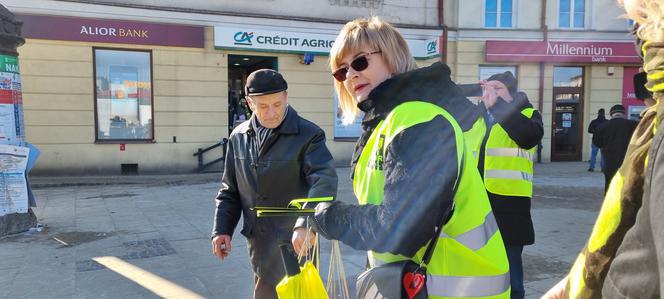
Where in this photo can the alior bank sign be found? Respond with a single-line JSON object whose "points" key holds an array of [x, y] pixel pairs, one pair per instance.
{"points": [[240, 38], [561, 51]]}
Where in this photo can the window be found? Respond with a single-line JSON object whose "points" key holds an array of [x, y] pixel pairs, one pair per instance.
{"points": [[498, 13], [123, 95], [571, 14], [567, 76]]}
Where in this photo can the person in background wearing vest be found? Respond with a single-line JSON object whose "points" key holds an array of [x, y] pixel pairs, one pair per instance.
{"points": [[593, 148], [405, 165], [612, 137], [624, 256], [274, 157], [514, 129]]}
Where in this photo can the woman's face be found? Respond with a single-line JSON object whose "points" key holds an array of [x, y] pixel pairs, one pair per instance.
{"points": [[360, 83]]}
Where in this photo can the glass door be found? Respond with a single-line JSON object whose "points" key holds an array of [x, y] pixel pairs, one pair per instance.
{"points": [[567, 121]]}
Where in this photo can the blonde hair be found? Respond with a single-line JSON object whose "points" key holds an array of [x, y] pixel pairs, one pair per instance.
{"points": [[649, 14], [378, 35]]}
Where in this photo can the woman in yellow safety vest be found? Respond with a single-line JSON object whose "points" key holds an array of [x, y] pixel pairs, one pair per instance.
{"points": [[405, 166]]}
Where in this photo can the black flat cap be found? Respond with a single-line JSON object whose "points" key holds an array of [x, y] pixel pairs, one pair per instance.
{"points": [[617, 109], [265, 81]]}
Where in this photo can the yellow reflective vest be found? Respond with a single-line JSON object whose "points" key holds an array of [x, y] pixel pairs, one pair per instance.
{"points": [[508, 169], [474, 137], [469, 259]]}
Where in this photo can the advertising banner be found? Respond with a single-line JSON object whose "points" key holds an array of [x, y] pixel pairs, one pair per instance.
{"points": [[11, 102], [227, 37], [111, 31], [561, 51]]}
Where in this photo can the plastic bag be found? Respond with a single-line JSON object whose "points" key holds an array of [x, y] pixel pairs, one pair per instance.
{"points": [[306, 284]]}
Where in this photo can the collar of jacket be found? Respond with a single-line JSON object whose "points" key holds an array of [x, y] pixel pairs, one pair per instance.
{"points": [[288, 127], [428, 84]]}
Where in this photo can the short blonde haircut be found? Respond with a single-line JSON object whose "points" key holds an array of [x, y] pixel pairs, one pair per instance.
{"points": [[649, 14], [378, 35]]}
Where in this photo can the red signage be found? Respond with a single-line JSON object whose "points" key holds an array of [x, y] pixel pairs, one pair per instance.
{"points": [[560, 51], [633, 105], [111, 31]]}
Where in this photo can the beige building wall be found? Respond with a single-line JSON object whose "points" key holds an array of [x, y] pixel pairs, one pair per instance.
{"points": [[190, 103]]}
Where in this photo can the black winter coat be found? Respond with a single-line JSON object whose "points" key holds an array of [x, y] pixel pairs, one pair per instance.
{"points": [[612, 137], [293, 163]]}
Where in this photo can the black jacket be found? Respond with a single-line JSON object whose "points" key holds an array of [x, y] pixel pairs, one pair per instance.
{"points": [[293, 163], [513, 212], [613, 138], [595, 123], [419, 174]]}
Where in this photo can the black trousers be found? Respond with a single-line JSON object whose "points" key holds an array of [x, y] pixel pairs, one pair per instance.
{"points": [[265, 257], [608, 176]]}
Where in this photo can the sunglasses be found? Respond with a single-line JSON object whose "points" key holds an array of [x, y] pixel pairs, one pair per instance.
{"points": [[358, 64]]}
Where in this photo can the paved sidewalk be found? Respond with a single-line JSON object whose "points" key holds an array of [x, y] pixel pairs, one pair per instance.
{"points": [[148, 237]]}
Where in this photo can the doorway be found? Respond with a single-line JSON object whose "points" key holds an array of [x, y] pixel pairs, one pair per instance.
{"points": [[239, 67], [567, 121]]}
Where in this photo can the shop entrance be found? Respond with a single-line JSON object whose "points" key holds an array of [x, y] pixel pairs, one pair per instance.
{"points": [[567, 123], [239, 67]]}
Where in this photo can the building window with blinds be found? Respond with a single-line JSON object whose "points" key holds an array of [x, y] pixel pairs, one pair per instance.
{"points": [[123, 95]]}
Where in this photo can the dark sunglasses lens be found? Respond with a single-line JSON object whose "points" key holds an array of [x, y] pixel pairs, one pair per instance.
{"points": [[340, 74], [360, 63]]}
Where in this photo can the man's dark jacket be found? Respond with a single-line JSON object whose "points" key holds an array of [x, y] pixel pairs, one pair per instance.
{"points": [[613, 138], [596, 123], [513, 212], [293, 163]]}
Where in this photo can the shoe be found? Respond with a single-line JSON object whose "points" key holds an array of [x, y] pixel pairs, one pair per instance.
{"points": [[590, 169]]}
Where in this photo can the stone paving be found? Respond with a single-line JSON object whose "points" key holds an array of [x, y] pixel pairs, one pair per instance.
{"points": [[148, 237]]}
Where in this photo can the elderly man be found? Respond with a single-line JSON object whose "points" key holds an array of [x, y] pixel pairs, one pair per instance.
{"points": [[612, 137], [272, 158]]}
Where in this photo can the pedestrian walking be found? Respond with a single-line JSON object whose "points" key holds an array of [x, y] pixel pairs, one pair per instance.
{"points": [[612, 137], [594, 149]]}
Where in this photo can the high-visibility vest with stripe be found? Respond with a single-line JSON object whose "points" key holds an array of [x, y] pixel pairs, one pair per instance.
{"points": [[508, 169], [474, 137], [469, 259]]}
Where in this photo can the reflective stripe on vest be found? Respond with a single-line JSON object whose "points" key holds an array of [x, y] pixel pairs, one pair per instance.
{"points": [[471, 259], [467, 286], [510, 152], [509, 174], [508, 169], [479, 236]]}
